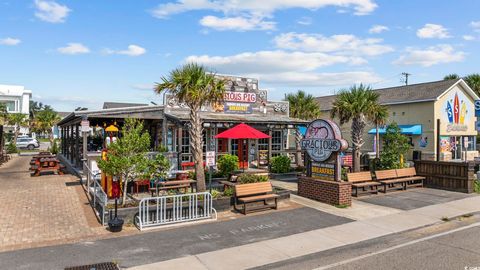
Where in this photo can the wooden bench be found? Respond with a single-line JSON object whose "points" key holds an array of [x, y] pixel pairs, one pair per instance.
{"points": [[175, 185], [390, 180], [255, 192], [362, 180], [410, 174]]}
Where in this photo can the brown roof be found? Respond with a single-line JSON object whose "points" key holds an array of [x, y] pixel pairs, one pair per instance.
{"points": [[113, 105], [400, 94], [238, 118]]}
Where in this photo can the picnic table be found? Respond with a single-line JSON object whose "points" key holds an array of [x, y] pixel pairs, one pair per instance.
{"points": [[172, 184], [47, 164]]}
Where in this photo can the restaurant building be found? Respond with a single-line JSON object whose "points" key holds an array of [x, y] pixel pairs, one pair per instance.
{"points": [[168, 126], [417, 109]]}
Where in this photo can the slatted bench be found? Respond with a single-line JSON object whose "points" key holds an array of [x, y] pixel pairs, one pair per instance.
{"points": [[255, 192], [389, 180], [410, 174], [364, 182]]}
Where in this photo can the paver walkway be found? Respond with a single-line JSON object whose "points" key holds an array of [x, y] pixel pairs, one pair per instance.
{"points": [[43, 210]]}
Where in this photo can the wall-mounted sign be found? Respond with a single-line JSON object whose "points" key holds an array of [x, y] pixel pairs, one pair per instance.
{"points": [[237, 108], [323, 171], [477, 108], [322, 138], [240, 97], [456, 112]]}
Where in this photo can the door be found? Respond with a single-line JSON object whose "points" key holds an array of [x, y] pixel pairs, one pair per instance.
{"points": [[240, 149], [456, 147]]}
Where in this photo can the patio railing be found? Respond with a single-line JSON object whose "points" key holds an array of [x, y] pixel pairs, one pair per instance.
{"points": [[98, 197], [157, 211]]}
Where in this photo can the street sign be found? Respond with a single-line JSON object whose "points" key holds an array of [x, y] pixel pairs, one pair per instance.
{"points": [[210, 158], [85, 125], [477, 108]]}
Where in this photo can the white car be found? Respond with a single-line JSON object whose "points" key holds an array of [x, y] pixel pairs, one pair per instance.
{"points": [[27, 142]]}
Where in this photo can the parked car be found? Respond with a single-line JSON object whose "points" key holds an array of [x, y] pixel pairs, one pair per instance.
{"points": [[27, 142]]}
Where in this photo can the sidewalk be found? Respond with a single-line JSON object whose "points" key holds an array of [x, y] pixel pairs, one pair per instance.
{"points": [[287, 247]]}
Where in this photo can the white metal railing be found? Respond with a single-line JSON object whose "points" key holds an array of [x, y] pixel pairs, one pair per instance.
{"points": [[157, 211], [98, 197]]}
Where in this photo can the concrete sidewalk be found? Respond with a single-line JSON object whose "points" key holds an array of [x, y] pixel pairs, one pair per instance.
{"points": [[287, 247]]}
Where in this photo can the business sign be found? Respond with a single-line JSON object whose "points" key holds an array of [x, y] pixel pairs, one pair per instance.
{"points": [[323, 171], [85, 124], [210, 158], [240, 97], [322, 138], [237, 108], [456, 112]]}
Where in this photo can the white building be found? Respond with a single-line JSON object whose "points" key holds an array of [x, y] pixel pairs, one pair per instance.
{"points": [[17, 100]]}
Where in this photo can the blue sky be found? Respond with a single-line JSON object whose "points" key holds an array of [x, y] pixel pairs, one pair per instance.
{"points": [[82, 53]]}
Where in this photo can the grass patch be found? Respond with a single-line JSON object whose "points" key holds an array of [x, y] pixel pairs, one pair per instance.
{"points": [[445, 219], [341, 205]]}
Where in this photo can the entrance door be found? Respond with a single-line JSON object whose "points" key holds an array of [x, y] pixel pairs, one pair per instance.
{"points": [[240, 149], [456, 147]]}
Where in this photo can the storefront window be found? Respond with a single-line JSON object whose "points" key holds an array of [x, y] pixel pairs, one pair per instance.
{"points": [[170, 140], [277, 140], [471, 143], [185, 142]]}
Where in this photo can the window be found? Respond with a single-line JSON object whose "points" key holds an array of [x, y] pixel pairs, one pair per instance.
{"points": [[471, 143], [10, 105], [185, 149], [277, 140], [234, 149], [263, 144], [170, 140]]}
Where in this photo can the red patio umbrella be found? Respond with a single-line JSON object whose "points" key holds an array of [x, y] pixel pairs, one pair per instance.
{"points": [[242, 131]]}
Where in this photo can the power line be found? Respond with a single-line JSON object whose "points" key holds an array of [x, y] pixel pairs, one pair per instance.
{"points": [[406, 74]]}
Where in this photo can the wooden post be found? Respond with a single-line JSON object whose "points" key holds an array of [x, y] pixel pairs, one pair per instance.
{"points": [[269, 146], [438, 141], [77, 142]]}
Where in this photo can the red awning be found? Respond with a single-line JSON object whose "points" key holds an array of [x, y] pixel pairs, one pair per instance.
{"points": [[242, 131]]}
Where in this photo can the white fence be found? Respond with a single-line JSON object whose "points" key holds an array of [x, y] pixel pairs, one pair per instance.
{"points": [[157, 211], [98, 197]]}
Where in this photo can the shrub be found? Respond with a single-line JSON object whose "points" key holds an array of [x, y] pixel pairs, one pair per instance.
{"points": [[280, 164], [228, 192], [395, 146], [476, 186], [251, 178], [54, 149], [216, 194], [227, 164], [12, 148]]}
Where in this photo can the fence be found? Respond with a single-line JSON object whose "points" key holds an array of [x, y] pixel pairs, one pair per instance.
{"points": [[157, 211], [453, 176], [98, 198]]}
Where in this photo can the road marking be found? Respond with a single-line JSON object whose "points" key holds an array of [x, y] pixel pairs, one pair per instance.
{"points": [[396, 247]]}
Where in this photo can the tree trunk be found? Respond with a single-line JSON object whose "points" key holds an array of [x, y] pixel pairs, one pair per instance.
{"points": [[123, 188], [298, 139], [17, 132], [196, 145], [358, 125]]}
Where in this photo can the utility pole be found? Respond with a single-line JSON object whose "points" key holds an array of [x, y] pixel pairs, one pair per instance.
{"points": [[406, 74]]}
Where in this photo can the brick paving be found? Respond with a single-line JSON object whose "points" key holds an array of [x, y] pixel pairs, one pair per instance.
{"points": [[45, 210]]}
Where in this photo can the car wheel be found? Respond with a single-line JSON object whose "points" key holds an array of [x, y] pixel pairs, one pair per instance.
{"points": [[31, 147]]}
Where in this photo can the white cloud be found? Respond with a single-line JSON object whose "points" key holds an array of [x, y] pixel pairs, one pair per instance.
{"points": [[74, 48], [475, 25], [377, 29], [431, 30], [51, 11], [10, 41], [305, 21], [468, 37], [339, 44], [237, 23], [132, 50], [270, 61], [430, 56], [313, 79], [360, 7]]}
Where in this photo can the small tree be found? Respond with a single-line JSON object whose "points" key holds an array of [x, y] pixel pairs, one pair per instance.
{"points": [[126, 158], [18, 120], [394, 148]]}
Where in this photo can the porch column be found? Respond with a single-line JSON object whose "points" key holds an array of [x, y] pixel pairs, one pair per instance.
{"points": [[72, 145], [269, 146], [179, 145], [77, 139]]}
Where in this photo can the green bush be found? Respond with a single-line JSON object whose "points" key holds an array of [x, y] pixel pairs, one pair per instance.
{"points": [[394, 147], [12, 148], [216, 194], [227, 164], [280, 164], [54, 149], [476, 186], [228, 192], [251, 178]]}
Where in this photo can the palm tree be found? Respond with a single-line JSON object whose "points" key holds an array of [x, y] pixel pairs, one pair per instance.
{"points": [[302, 106], [452, 76], [17, 120], [45, 120], [359, 104], [193, 85], [380, 117], [3, 113], [473, 80]]}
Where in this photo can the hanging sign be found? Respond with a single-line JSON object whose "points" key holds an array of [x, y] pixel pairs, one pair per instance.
{"points": [[237, 108], [85, 124], [210, 158]]}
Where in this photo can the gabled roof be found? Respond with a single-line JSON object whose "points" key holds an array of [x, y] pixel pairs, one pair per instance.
{"points": [[420, 92], [113, 105]]}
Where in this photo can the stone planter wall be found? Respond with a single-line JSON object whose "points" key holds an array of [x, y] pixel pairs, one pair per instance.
{"points": [[334, 193]]}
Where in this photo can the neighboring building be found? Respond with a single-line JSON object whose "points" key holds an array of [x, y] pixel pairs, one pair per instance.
{"points": [[17, 100], [115, 105], [416, 108], [168, 125]]}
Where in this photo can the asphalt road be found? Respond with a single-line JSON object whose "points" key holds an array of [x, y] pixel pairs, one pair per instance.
{"points": [[434, 248]]}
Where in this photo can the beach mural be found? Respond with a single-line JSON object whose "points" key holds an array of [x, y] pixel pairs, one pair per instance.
{"points": [[456, 111]]}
